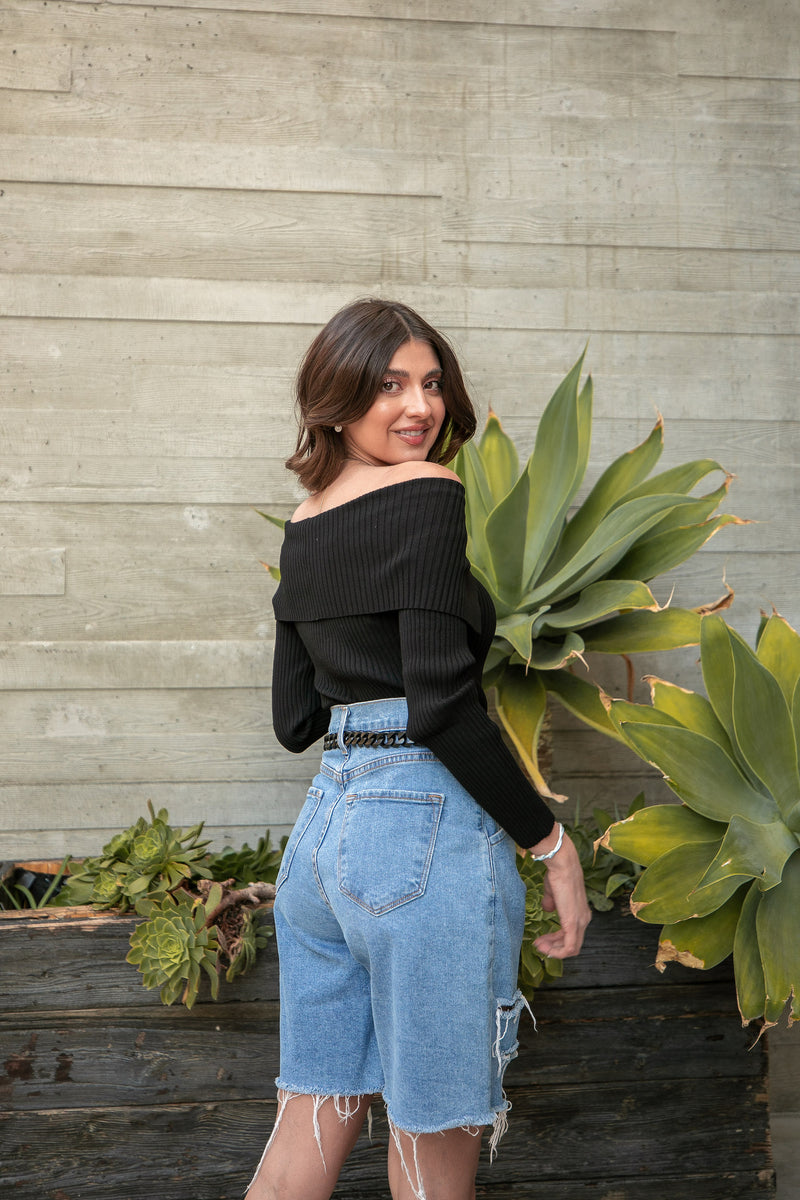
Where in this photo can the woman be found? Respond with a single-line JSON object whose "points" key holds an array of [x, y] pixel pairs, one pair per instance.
{"points": [[399, 910]]}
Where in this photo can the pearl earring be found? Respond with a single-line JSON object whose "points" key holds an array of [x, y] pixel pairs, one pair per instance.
{"points": [[337, 429]]}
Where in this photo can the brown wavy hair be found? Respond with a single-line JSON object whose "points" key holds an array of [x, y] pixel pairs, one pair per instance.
{"points": [[340, 376]]}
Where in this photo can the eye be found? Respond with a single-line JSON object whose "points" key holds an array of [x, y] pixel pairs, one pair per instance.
{"points": [[389, 385], [434, 385]]}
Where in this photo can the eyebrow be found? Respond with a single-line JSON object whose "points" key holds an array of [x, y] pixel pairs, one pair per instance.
{"points": [[406, 374]]}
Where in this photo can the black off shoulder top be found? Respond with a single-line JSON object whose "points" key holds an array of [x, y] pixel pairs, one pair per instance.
{"points": [[376, 599]]}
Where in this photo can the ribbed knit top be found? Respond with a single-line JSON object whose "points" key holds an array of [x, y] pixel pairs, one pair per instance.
{"points": [[376, 600]]}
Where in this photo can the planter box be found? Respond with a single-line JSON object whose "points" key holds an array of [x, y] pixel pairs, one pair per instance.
{"points": [[637, 1085]]}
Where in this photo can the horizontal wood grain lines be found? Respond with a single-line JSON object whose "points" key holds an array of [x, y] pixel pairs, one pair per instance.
{"points": [[79, 665], [724, 225], [32, 572], [36, 68], [79, 230], [157, 298], [91, 812], [219, 758], [190, 163]]}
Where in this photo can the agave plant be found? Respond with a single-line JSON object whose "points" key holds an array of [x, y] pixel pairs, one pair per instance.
{"points": [[722, 870], [563, 585]]}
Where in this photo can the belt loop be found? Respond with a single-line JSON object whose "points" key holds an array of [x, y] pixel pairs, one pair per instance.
{"points": [[345, 713]]}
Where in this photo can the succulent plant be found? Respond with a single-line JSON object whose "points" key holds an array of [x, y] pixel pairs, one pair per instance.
{"points": [[606, 875], [722, 870], [242, 950], [171, 946], [148, 859], [246, 865], [562, 585]]}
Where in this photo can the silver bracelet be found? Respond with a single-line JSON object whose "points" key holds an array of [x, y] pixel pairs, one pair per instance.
{"points": [[555, 850]]}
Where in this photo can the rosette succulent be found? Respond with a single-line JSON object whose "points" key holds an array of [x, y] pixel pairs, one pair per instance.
{"points": [[722, 870], [148, 859], [172, 945], [565, 584]]}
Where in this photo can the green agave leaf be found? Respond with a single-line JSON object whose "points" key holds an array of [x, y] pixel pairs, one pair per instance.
{"points": [[605, 546], [778, 932], [666, 891], [278, 522], [748, 972], [749, 848], [582, 699], [521, 706], [699, 772], [547, 655], [667, 549], [478, 504], [716, 658], [779, 651], [677, 479], [598, 600], [645, 631], [499, 456], [653, 831], [623, 474], [517, 631], [556, 467], [695, 513], [622, 711], [703, 941], [506, 539], [763, 728], [690, 710]]}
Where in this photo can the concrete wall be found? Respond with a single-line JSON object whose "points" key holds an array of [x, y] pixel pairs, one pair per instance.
{"points": [[190, 189]]}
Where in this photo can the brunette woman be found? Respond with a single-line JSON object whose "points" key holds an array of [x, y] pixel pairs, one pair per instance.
{"points": [[399, 910]]}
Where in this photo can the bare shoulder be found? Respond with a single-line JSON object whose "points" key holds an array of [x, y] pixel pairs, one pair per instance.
{"points": [[421, 470], [307, 508]]}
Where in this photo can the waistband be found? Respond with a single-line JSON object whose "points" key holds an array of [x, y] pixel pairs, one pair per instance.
{"points": [[384, 716], [368, 723]]}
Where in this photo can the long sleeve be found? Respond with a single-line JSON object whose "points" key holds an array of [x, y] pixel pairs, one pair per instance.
{"points": [[377, 599], [447, 713], [299, 715]]}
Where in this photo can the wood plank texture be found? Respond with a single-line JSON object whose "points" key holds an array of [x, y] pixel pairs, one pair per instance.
{"points": [[190, 188], [92, 1062], [30, 67], [32, 572]]}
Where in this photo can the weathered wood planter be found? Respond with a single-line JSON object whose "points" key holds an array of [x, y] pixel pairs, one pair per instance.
{"points": [[637, 1086]]}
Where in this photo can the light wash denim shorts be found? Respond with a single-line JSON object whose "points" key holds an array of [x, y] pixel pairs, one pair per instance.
{"points": [[399, 915]]}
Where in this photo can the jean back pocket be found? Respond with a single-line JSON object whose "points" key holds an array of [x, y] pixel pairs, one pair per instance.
{"points": [[386, 847]]}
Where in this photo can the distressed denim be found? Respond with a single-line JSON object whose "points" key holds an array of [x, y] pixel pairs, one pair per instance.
{"points": [[399, 915]]}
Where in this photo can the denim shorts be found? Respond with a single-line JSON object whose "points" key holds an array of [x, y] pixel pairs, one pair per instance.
{"points": [[399, 914]]}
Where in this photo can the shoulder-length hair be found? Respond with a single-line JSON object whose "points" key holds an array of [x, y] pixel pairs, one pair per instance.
{"points": [[341, 374]]}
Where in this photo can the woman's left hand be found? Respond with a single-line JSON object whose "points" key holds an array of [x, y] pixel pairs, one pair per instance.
{"points": [[565, 894]]}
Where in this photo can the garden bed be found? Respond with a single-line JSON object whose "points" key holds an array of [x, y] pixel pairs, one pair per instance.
{"points": [[637, 1085]]}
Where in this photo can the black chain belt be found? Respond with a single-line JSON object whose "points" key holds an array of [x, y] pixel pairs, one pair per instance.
{"points": [[360, 737]]}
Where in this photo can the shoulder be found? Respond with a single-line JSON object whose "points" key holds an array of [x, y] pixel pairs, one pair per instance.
{"points": [[307, 508], [420, 470]]}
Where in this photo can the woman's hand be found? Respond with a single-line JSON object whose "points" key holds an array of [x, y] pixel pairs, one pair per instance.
{"points": [[565, 894]]}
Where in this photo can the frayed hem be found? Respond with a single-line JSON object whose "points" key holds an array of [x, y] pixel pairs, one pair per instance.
{"points": [[416, 1183], [418, 1188], [346, 1107]]}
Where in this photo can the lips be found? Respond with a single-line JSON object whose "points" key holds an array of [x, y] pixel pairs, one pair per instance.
{"points": [[414, 435]]}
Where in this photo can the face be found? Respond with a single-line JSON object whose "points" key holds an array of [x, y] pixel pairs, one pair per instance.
{"points": [[406, 415]]}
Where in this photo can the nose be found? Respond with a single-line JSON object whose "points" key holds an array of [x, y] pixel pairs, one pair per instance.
{"points": [[417, 400]]}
